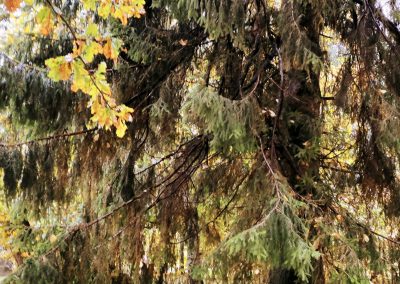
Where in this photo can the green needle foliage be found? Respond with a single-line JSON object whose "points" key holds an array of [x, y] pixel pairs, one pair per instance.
{"points": [[264, 145]]}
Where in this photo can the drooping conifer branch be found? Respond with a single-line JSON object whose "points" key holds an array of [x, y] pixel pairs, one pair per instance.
{"points": [[49, 138], [260, 132]]}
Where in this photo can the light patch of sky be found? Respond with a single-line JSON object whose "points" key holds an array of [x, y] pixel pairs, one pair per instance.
{"points": [[2, 25], [5, 24], [387, 8], [338, 50]]}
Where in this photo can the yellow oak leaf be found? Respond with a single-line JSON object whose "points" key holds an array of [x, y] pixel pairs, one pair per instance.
{"points": [[104, 9], [128, 9], [100, 80], [104, 118], [111, 48], [78, 48], [92, 30], [121, 128], [103, 115], [89, 4], [65, 71], [81, 79], [90, 50], [45, 21], [59, 68], [119, 14], [107, 48], [125, 113]]}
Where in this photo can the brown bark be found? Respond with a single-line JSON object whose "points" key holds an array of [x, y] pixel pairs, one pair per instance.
{"points": [[301, 94], [193, 243]]}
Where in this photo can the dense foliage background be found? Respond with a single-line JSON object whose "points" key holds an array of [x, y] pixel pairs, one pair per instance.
{"points": [[200, 141]]}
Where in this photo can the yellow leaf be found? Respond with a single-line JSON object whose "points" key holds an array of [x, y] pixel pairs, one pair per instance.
{"points": [[81, 80], [96, 106], [105, 8], [89, 4], [65, 71], [125, 113], [78, 48], [112, 47], [27, 29], [45, 21], [102, 115], [107, 49], [92, 30], [90, 50], [101, 81], [122, 16], [60, 69], [121, 128]]}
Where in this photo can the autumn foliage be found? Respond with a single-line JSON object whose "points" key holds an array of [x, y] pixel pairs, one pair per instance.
{"points": [[78, 66]]}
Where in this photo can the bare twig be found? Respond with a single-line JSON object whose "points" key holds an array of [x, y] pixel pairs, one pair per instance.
{"points": [[53, 137]]}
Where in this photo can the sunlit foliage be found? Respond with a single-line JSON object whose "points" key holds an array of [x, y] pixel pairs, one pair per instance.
{"points": [[253, 141]]}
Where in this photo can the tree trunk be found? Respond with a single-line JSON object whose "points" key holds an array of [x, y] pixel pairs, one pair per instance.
{"points": [[193, 243], [300, 95]]}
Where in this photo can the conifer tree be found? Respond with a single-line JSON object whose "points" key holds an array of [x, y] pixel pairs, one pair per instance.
{"points": [[201, 141]]}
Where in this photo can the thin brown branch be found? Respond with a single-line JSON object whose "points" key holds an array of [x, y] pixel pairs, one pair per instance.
{"points": [[350, 218], [53, 137]]}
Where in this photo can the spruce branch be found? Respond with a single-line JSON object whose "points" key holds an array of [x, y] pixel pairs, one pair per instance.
{"points": [[49, 138]]}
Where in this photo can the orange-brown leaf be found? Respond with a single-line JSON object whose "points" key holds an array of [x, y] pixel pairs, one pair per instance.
{"points": [[45, 21], [12, 5], [107, 49]]}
